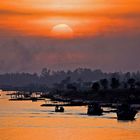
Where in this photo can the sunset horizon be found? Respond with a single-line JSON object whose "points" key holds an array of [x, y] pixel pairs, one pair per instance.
{"points": [[69, 70], [66, 35]]}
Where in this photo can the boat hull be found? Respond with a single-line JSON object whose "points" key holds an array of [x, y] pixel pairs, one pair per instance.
{"points": [[94, 111], [57, 109], [121, 115]]}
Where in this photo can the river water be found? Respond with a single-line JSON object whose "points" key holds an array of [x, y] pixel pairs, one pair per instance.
{"points": [[27, 120]]}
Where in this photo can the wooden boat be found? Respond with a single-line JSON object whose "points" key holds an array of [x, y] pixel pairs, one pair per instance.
{"points": [[59, 109], [94, 109], [126, 112]]}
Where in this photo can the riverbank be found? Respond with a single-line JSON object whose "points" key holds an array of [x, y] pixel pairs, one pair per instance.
{"points": [[109, 97]]}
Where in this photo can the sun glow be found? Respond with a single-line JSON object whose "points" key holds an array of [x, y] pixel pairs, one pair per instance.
{"points": [[66, 19], [62, 31]]}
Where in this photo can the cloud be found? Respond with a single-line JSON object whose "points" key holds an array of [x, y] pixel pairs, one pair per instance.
{"points": [[14, 12], [75, 14]]}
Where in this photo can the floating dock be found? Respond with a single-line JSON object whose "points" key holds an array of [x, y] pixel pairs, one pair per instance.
{"points": [[49, 103], [25, 96], [25, 99]]}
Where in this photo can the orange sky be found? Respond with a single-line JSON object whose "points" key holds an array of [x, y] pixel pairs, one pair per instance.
{"points": [[84, 17]]}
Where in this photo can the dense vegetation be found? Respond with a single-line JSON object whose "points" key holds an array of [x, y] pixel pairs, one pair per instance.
{"points": [[47, 79]]}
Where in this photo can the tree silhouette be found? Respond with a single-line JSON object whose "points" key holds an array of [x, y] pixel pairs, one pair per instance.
{"points": [[45, 73], [67, 80], [71, 86], [127, 76], [131, 83], [115, 83], [138, 84], [104, 83], [96, 86]]}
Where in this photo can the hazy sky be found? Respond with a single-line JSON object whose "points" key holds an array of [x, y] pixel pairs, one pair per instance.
{"points": [[66, 35]]}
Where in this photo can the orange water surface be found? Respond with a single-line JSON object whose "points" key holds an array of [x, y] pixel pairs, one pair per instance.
{"points": [[26, 120]]}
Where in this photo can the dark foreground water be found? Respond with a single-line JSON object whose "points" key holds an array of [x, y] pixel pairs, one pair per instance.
{"points": [[28, 121]]}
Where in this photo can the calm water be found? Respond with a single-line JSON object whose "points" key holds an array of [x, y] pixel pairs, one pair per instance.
{"points": [[28, 121]]}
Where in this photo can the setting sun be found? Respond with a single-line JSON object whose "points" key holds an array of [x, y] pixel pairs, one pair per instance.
{"points": [[62, 31]]}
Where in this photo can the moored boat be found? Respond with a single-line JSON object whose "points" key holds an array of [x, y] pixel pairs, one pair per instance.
{"points": [[59, 109], [126, 112], [94, 109]]}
